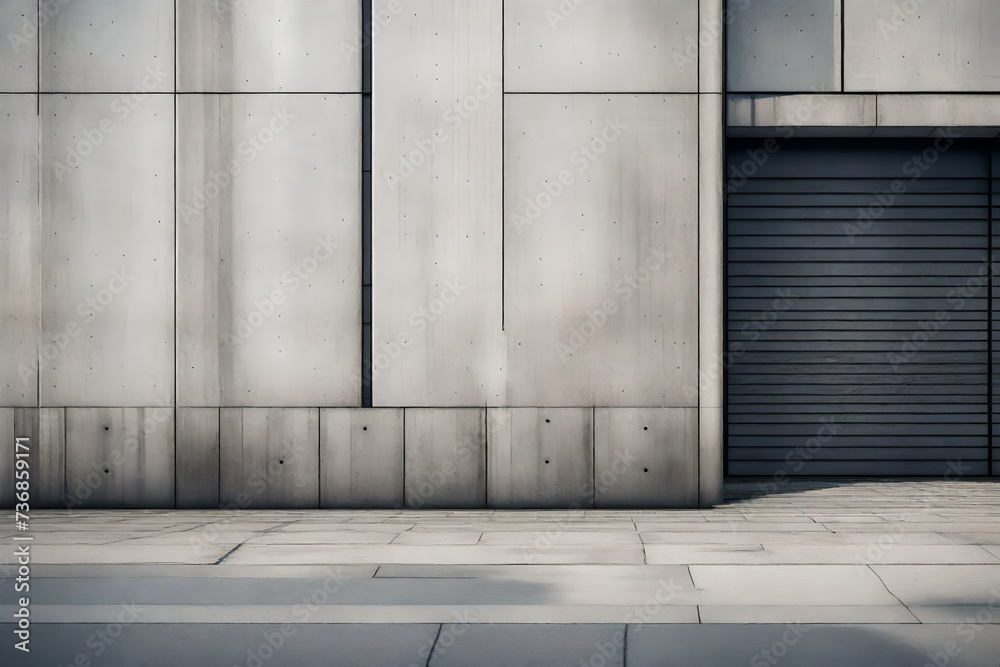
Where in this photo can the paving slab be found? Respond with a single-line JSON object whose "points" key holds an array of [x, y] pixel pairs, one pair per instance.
{"points": [[126, 553], [520, 646], [926, 585], [225, 645], [826, 554], [438, 537], [808, 585], [140, 570], [764, 613], [444, 554], [810, 646], [771, 538]]}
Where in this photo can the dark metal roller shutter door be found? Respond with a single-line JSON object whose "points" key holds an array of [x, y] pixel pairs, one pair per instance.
{"points": [[858, 320], [995, 306]]}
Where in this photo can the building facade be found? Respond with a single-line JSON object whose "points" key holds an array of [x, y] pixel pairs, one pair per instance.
{"points": [[493, 253]]}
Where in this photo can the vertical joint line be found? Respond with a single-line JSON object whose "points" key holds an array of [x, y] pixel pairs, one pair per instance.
{"points": [[177, 244], [503, 170], [486, 457]]}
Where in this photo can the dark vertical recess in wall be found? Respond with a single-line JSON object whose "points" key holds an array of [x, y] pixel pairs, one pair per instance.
{"points": [[176, 246], [843, 45], [366, 204], [38, 196], [38, 78]]}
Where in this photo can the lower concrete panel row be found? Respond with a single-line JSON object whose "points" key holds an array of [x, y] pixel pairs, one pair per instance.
{"points": [[243, 458]]}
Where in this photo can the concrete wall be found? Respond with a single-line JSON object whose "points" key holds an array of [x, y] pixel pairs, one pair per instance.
{"points": [[184, 190], [863, 46]]}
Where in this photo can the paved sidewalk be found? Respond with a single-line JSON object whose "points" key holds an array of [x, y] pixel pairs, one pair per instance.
{"points": [[817, 573]]}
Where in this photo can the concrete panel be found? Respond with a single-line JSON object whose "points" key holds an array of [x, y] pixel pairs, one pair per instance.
{"points": [[711, 245], [445, 458], [601, 199], [19, 64], [270, 458], [51, 455], [20, 270], [711, 454], [945, 45], [361, 458], [197, 458], [269, 46], [711, 302], [609, 46], [108, 46], [120, 457], [794, 111], [710, 41], [958, 111], [540, 457], [645, 457], [43, 457], [7, 460], [784, 46], [437, 216], [107, 250], [46, 455], [269, 237]]}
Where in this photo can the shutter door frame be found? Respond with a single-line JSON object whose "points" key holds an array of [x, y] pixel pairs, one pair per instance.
{"points": [[963, 354]]}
